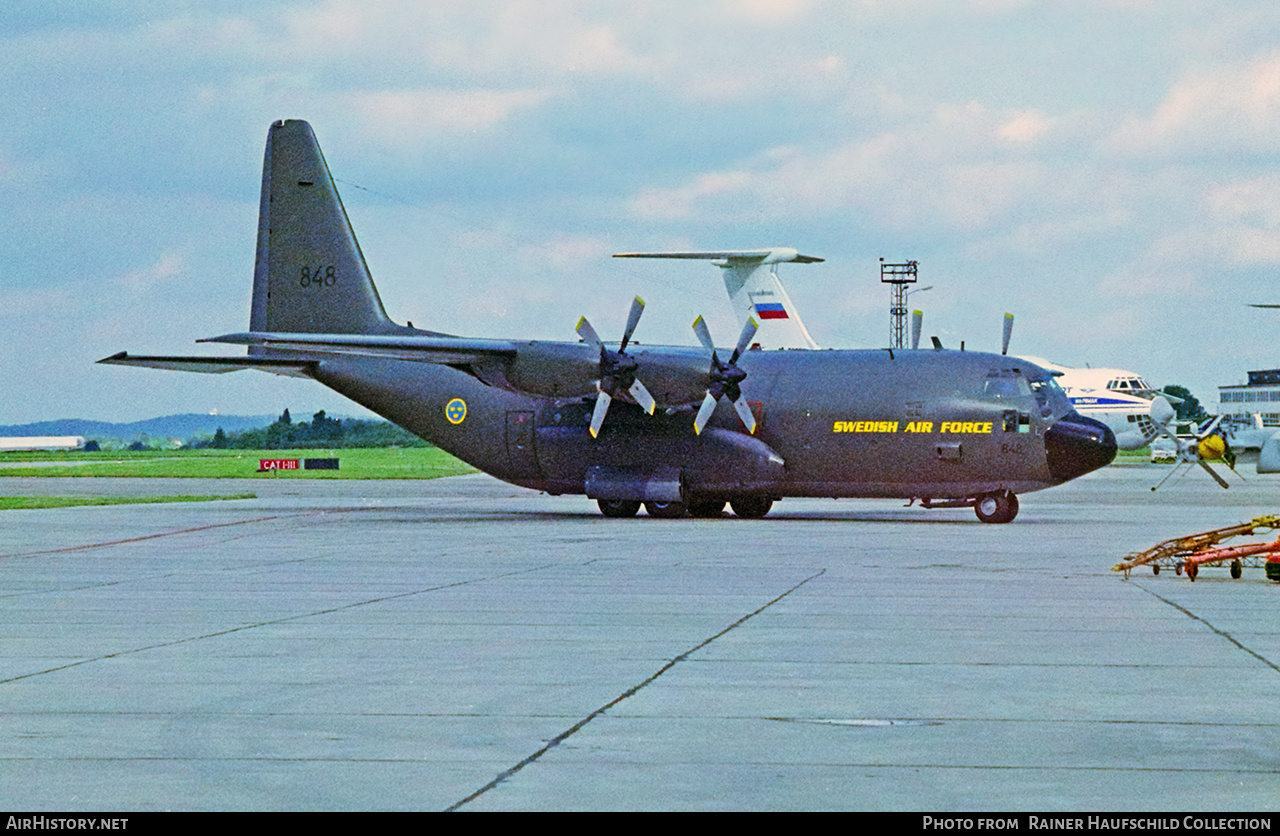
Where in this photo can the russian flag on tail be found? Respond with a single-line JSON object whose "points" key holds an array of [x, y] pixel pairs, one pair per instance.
{"points": [[770, 310]]}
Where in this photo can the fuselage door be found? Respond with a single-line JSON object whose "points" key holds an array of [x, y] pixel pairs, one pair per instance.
{"points": [[520, 451]]}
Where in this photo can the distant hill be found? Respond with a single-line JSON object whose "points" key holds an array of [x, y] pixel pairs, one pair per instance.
{"points": [[171, 426]]}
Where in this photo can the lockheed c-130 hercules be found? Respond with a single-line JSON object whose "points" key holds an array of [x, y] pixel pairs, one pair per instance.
{"points": [[681, 430]]}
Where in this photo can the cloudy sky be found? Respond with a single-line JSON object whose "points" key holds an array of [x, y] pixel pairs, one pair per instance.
{"points": [[1107, 170]]}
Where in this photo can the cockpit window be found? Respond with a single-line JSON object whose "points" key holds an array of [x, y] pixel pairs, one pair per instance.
{"points": [[1047, 385], [1128, 383], [1005, 383], [1046, 389]]}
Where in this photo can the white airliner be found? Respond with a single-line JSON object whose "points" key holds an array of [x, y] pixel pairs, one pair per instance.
{"points": [[1133, 409], [1122, 400]]}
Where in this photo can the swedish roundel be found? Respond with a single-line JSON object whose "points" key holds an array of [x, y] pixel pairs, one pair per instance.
{"points": [[456, 411]]}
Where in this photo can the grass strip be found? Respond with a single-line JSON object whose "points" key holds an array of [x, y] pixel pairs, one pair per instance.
{"points": [[27, 503], [378, 463]]}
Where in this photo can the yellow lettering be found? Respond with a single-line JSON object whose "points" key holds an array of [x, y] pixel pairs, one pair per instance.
{"points": [[878, 426]]}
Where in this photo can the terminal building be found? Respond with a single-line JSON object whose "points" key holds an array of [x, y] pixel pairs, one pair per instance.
{"points": [[1260, 396]]}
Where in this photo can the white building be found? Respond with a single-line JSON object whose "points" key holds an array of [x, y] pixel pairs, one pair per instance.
{"points": [[1260, 396]]}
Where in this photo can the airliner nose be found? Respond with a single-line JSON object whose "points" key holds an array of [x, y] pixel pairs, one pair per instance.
{"points": [[1077, 445]]}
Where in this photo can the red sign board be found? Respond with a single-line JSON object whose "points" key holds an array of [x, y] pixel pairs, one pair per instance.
{"points": [[277, 464]]}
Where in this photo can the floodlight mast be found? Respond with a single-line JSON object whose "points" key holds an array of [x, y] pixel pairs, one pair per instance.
{"points": [[899, 276]]}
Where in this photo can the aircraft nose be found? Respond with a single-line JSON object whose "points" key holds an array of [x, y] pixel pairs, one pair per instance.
{"points": [[1076, 445]]}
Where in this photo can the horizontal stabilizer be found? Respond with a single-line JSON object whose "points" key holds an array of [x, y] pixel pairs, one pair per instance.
{"points": [[212, 365], [771, 255], [756, 293]]}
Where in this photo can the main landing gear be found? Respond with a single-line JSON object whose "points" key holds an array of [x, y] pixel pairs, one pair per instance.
{"points": [[747, 507]]}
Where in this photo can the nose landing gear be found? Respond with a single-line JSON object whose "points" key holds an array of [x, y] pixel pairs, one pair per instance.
{"points": [[996, 507]]}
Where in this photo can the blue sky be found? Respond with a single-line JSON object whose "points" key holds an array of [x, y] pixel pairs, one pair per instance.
{"points": [[1107, 171]]}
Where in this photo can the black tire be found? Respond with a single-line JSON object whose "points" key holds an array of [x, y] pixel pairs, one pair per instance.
{"points": [[706, 509], [751, 507], [996, 507], [1237, 569], [618, 508], [665, 510]]}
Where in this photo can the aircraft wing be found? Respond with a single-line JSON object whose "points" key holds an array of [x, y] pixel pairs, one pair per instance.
{"points": [[423, 349]]}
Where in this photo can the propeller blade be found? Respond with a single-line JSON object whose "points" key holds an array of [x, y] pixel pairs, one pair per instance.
{"points": [[1008, 332], [1208, 431], [744, 339], [589, 334], [917, 322], [744, 412], [704, 334], [597, 416], [704, 413], [1216, 477], [642, 396], [633, 318]]}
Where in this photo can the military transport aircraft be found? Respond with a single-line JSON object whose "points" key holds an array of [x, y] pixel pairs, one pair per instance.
{"points": [[680, 430]]}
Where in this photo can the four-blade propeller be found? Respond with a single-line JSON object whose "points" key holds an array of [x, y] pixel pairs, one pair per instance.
{"points": [[617, 370], [726, 378], [618, 373], [1208, 444]]}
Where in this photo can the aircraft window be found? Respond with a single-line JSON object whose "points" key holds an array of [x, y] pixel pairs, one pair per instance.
{"points": [[1005, 383], [1047, 385]]}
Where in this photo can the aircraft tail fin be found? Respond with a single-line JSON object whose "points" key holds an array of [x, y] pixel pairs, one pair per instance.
{"points": [[310, 276], [751, 280]]}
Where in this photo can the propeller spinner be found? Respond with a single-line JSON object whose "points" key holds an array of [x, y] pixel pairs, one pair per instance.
{"points": [[726, 378], [617, 370]]}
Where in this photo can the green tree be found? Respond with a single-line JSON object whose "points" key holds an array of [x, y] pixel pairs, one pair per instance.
{"points": [[1190, 408]]}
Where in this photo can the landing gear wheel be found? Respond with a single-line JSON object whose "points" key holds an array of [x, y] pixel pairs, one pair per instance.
{"points": [[1237, 569], [665, 510], [706, 509], [618, 508], [996, 507], [751, 507]]}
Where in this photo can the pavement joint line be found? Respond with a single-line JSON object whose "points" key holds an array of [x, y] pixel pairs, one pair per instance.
{"points": [[630, 692], [285, 620], [1189, 614], [158, 535]]}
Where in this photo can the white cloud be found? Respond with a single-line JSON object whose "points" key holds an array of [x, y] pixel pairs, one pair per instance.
{"points": [[409, 116], [1025, 127], [168, 267], [1229, 108], [961, 169]]}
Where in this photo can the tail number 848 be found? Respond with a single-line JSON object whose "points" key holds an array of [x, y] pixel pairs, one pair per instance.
{"points": [[324, 276]]}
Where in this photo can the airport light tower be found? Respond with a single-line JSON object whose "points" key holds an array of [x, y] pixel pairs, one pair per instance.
{"points": [[899, 276]]}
